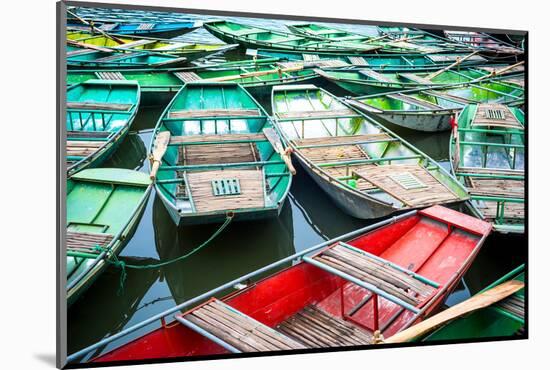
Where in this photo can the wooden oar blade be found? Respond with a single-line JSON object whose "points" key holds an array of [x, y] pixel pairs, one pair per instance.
{"points": [[474, 303], [161, 144], [275, 141]]}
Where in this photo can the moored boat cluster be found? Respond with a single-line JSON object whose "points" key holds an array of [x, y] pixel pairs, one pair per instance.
{"points": [[218, 155]]}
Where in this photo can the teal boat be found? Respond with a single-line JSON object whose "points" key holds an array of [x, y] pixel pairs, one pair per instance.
{"points": [[99, 115], [256, 37], [487, 153], [377, 62], [504, 319], [104, 206], [430, 109], [367, 170], [423, 38], [220, 161], [149, 29], [81, 57], [366, 81]]}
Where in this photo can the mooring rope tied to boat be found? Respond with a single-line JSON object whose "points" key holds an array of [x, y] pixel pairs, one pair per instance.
{"points": [[115, 261]]}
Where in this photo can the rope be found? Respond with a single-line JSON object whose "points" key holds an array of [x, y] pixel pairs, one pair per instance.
{"points": [[115, 261]]}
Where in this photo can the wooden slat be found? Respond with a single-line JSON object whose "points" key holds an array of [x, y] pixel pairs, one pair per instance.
{"points": [[375, 75], [206, 113], [133, 44], [435, 192], [344, 140], [86, 241], [110, 75], [417, 78], [187, 76], [99, 106], [510, 120], [414, 101], [512, 211], [321, 114], [491, 171], [88, 134], [496, 187], [216, 138], [358, 61], [218, 153], [145, 26]]}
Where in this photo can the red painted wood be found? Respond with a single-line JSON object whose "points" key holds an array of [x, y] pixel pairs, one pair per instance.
{"points": [[420, 243]]}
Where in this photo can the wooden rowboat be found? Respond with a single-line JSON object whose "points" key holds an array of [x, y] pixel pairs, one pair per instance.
{"points": [[431, 110], [367, 81], [377, 62], [100, 58], [219, 160], [343, 295], [488, 45], [504, 319], [487, 155], [190, 51], [104, 206], [422, 38], [149, 29], [256, 37], [99, 115], [367, 170]]}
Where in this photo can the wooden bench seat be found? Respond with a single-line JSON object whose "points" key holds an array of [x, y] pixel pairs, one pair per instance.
{"points": [[509, 120], [375, 76], [317, 114], [86, 241], [110, 75], [99, 106], [213, 113], [238, 329], [75, 134], [189, 139], [187, 76]]}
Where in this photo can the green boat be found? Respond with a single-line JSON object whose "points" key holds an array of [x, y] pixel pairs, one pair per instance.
{"points": [[387, 45], [104, 206], [256, 77], [99, 115], [255, 37], [423, 38], [487, 155], [366, 81], [504, 319], [431, 110], [367, 170], [219, 161], [81, 57], [377, 62], [190, 51]]}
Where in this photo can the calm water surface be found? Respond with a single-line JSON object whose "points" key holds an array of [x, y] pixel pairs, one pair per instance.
{"points": [[308, 217]]}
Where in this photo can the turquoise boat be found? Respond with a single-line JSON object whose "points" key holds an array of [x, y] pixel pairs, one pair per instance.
{"points": [[81, 57], [99, 115], [430, 109], [502, 320], [487, 151], [104, 206], [219, 162]]}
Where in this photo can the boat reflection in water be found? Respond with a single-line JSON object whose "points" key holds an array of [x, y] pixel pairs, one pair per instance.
{"points": [[241, 248], [131, 154]]}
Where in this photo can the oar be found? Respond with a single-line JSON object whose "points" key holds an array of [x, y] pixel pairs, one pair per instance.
{"points": [[161, 144], [495, 73], [117, 40], [275, 141], [254, 74], [458, 61], [477, 302]]}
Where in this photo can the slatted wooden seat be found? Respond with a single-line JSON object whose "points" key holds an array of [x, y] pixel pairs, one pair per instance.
{"points": [[496, 187], [145, 26], [472, 171], [99, 106], [343, 140], [214, 113], [218, 153], [237, 329], [358, 61], [414, 101], [189, 139], [317, 114], [110, 75], [327, 63], [514, 304], [187, 76], [456, 98], [252, 194], [418, 79], [423, 189], [317, 329], [375, 75], [77, 148], [376, 272], [512, 211], [310, 57], [87, 242], [112, 58], [509, 120], [74, 53], [439, 58], [108, 26], [134, 44], [88, 134]]}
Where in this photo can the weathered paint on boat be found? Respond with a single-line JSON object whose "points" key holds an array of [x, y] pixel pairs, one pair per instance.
{"points": [[222, 96], [488, 45], [365, 204], [98, 130], [102, 201], [150, 29], [423, 38], [256, 37], [490, 322], [191, 51], [443, 257], [431, 110], [492, 153]]}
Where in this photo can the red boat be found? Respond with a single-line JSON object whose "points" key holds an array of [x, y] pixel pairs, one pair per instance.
{"points": [[343, 295]]}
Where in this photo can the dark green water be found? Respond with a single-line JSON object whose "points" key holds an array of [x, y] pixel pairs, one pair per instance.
{"points": [[308, 217]]}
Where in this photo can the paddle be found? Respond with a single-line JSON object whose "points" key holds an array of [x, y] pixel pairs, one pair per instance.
{"points": [[495, 73], [476, 302], [161, 144], [254, 74], [275, 141], [117, 40], [458, 61]]}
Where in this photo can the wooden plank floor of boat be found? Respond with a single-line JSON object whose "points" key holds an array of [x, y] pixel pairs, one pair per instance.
{"points": [[496, 187], [239, 330], [86, 241], [317, 329], [428, 192], [483, 117], [511, 211]]}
